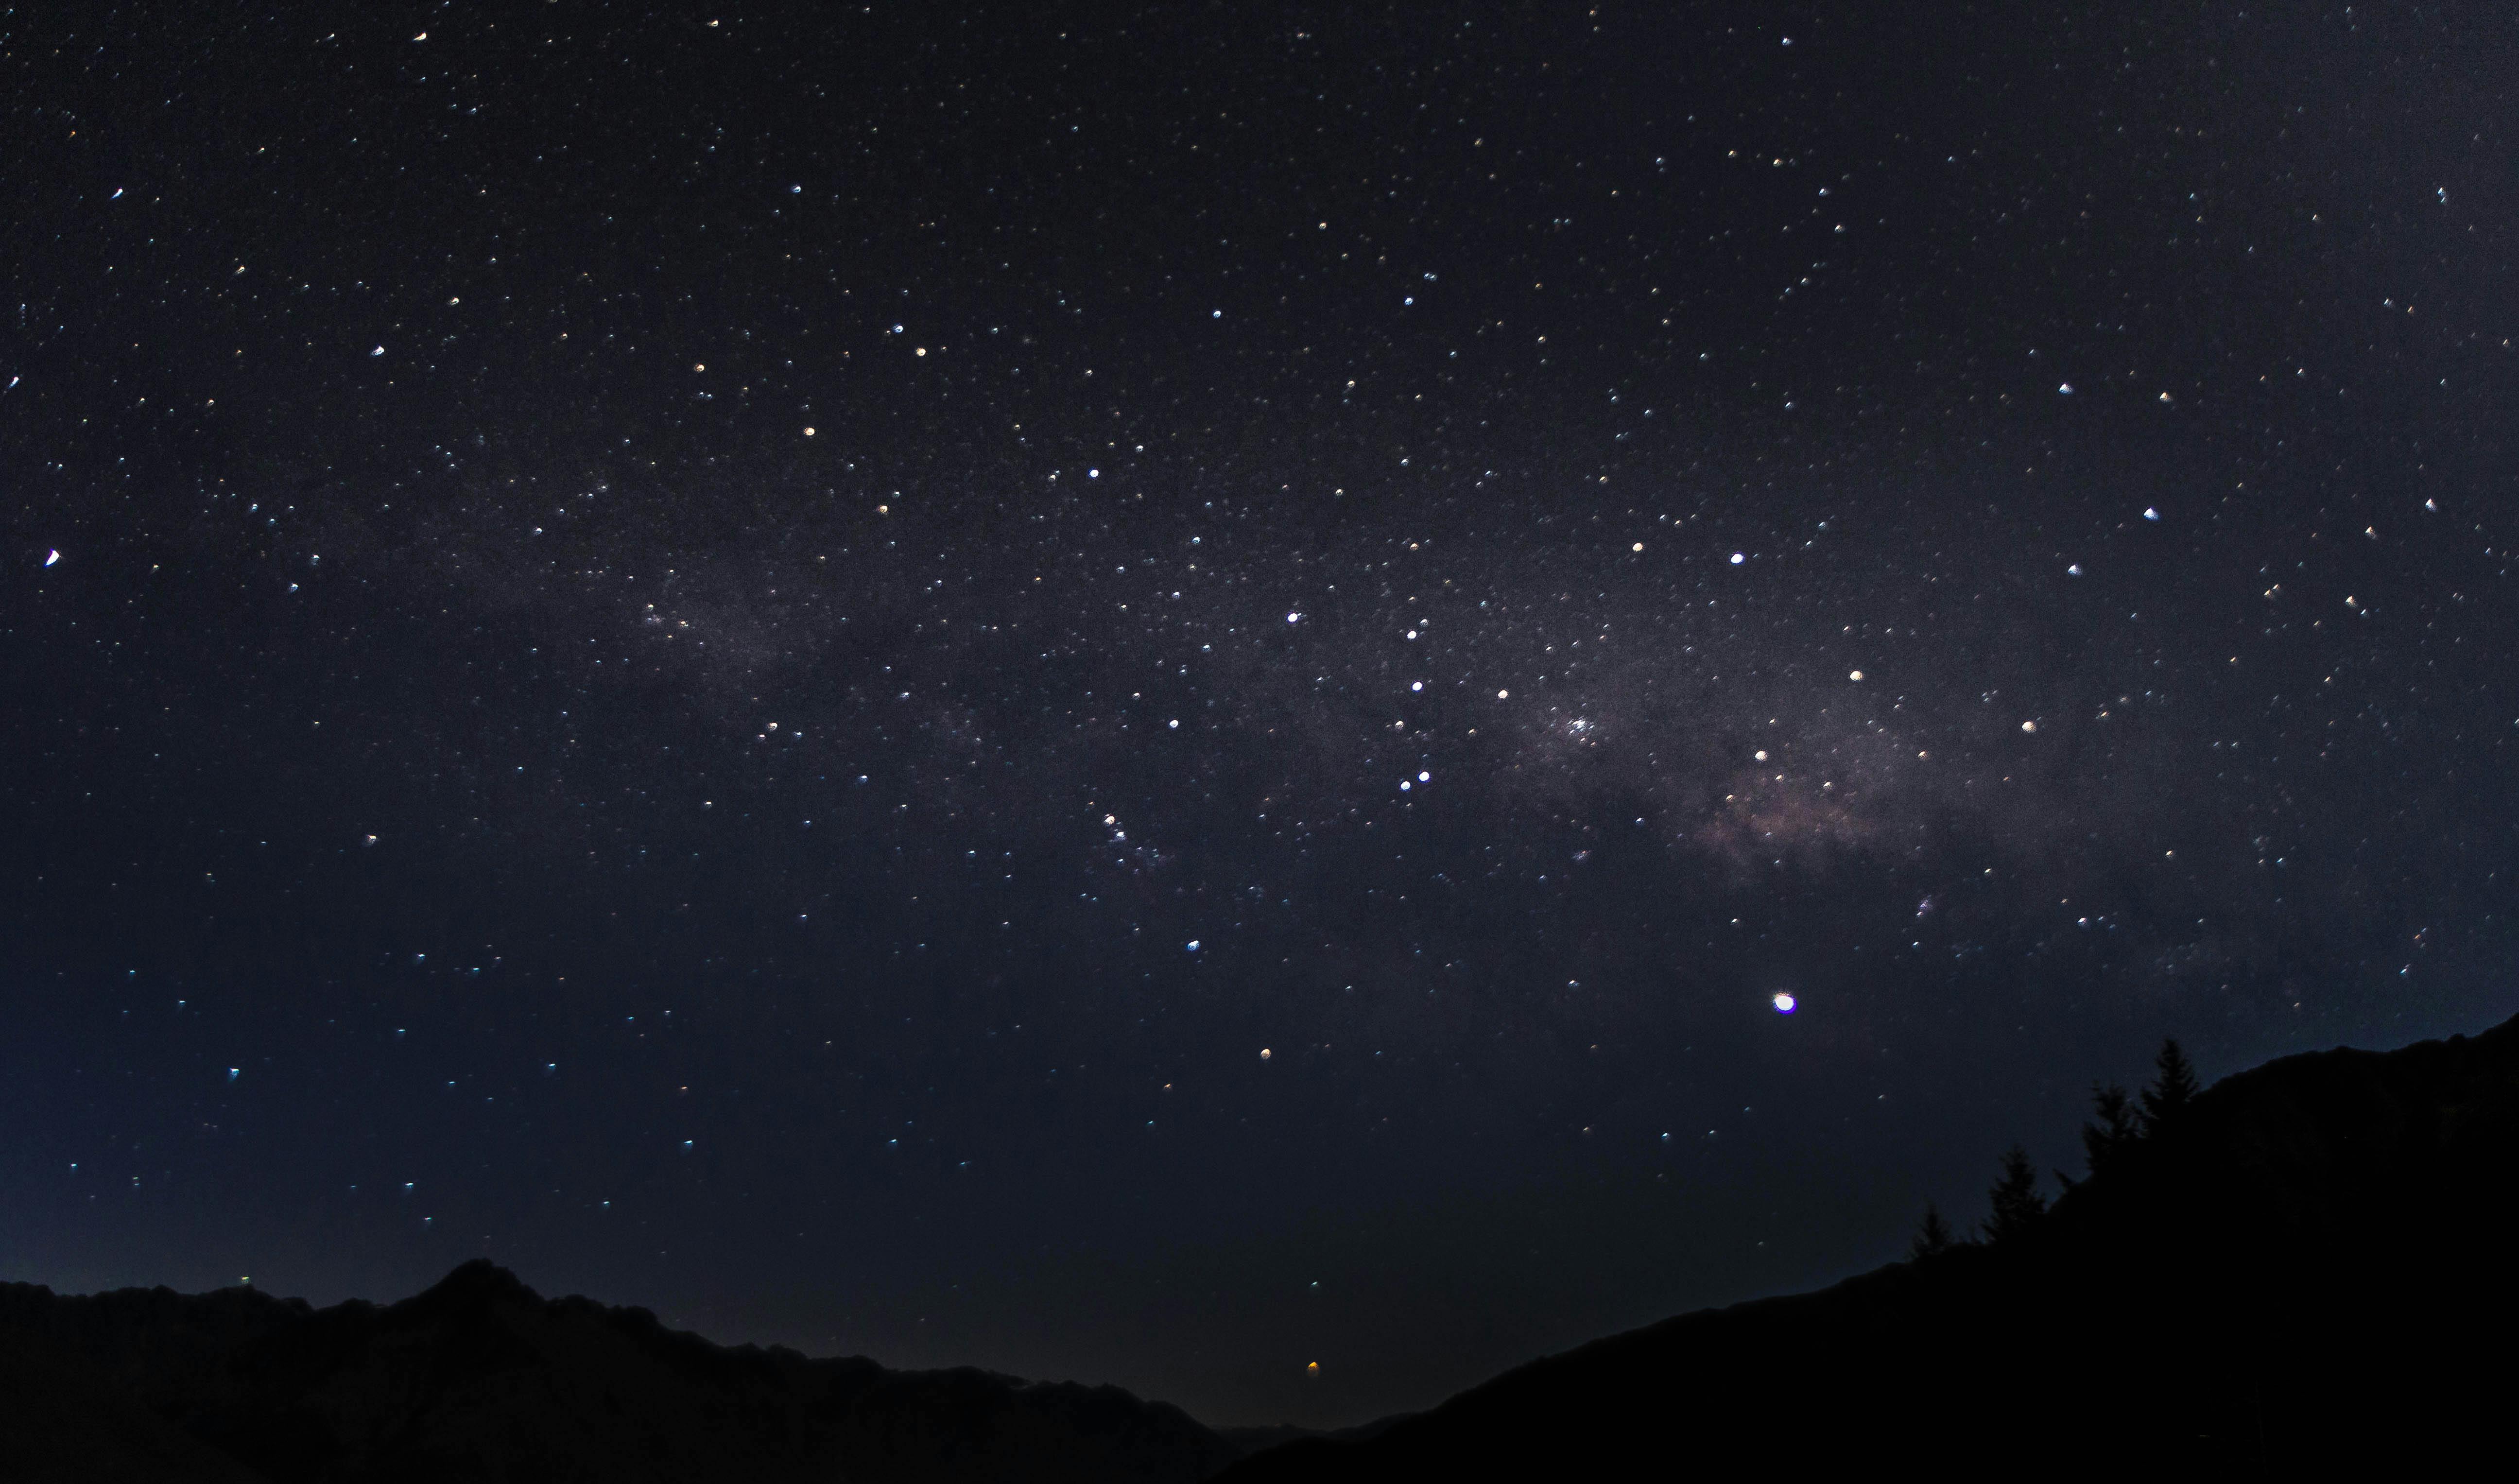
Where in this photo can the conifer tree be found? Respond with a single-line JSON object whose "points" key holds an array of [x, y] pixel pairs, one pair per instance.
{"points": [[2017, 1204], [2173, 1087], [1933, 1235], [2119, 1125]]}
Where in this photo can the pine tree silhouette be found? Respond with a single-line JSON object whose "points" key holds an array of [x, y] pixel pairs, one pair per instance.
{"points": [[2018, 1205], [2119, 1125], [2173, 1087], [1933, 1235]]}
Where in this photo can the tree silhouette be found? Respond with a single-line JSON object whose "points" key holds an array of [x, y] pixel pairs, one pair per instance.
{"points": [[2119, 1125], [1933, 1233], [2173, 1087], [2018, 1205]]}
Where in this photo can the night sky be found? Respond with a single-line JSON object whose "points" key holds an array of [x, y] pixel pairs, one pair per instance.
{"points": [[1155, 694]]}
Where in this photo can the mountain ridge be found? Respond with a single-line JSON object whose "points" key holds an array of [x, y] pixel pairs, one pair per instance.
{"points": [[478, 1377], [2301, 1266]]}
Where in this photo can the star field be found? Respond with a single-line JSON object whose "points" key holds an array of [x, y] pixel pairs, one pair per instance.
{"points": [[1156, 696]]}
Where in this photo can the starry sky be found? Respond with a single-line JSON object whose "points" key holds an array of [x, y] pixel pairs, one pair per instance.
{"points": [[1153, 694]]}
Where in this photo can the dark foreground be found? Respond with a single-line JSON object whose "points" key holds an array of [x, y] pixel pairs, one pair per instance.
{"points": [[2309, 1267]]}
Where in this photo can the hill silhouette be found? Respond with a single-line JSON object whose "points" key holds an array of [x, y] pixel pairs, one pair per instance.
{"points": [[2308, 1266], [479, 1378]]}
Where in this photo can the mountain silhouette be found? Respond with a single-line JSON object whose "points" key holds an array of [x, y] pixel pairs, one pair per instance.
{"points": [[2307, 1267], [479, 1378]]}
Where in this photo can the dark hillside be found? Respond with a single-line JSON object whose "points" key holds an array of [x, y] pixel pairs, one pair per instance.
{"points": [[2308, 1266]]}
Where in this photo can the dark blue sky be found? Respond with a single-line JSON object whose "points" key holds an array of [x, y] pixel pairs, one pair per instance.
{"points": [[1155, 694]]}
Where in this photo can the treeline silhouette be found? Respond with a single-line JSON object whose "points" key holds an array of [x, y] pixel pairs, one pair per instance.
{"points": [[2016, 1204], [2305, 1268]]}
